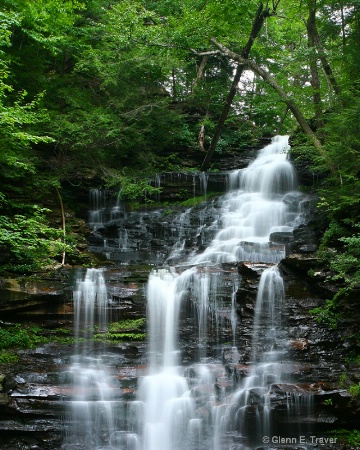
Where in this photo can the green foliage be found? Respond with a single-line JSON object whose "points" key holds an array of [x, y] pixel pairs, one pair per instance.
{"points": [[354, 390], [19, 336], [130, 188], [110, 337], [344, 264], [126, 325], [343, 381], [327, 314], [32, 244], [349, 437], [8, 357], [193, 201], [354, 438], [125, 330]]}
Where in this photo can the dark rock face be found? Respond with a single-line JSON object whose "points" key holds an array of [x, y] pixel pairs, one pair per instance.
{"points": [[156, 236], [34, 395], [304, 240], [33, 392]]}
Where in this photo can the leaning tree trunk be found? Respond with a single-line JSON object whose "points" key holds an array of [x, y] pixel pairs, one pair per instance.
{"points": [[259, 19], [325, 63], [283, 95]]}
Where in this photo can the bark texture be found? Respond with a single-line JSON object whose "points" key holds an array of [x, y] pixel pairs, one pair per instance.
{"points": [[315, 80], [273, 83], [258, 22]]}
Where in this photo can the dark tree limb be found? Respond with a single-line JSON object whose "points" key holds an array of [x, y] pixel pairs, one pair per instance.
{"points": [[325, 63], [200, 71], [259, 19], [315, 80], [282, 120], [63, 224], [283, 95]]}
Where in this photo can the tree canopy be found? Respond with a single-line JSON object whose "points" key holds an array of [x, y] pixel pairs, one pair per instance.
{"points": [[125, 87]]}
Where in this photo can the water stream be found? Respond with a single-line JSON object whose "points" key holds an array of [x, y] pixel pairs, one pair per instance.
{"points": [[197, 405], [92, 418]]}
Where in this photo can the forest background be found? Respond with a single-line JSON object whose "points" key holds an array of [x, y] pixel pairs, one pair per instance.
{"points": [[114, 90]]}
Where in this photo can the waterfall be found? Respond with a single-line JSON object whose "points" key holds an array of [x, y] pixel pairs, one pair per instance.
{"points": [[253, 209], [180, 405], [249, 411], [191, 398], [92, 418], [167, 404], [97, 208]]}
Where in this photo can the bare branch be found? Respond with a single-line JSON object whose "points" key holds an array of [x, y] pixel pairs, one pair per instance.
{"points": [[208, 53]]}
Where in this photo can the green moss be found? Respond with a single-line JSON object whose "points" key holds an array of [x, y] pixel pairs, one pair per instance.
{"points": [[355, 390], [126, 325], [111, 337], [124, 330], [8, 357], [343, 380], [20, 336], [349, 437]]}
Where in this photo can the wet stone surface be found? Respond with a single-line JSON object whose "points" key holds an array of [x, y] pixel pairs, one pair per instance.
{"points": [[35, 391]]}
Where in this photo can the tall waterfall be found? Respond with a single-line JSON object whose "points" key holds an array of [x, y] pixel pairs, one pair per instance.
{"points": [[185, 409], [191, 401], [255, 207], [92, 418]]}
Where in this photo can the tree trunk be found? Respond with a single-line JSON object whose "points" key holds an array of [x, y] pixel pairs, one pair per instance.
{"points": [[324, 62], [201, 138], [200, 72], [174, 93], [272, 82], [282, 120], [62, 221], [259, 19], [223, 117], [315, 81]]}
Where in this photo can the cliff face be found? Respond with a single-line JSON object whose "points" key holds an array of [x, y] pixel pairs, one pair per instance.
{"points": [[320, 356], [34, 394]]}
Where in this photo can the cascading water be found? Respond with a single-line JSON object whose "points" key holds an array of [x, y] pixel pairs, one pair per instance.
{"points": [[168, 408], [255, 208], [175, 408], [97, 208], [249, 407], [194, 402], [92, 407]]}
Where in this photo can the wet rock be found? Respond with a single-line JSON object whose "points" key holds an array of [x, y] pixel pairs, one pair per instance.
{"points": [[230, 355], [2, 381], [281, 237], [19, 380], [4, 399], [292, 200], [248, 270], [300, 263], [304, 240], [299, 345], [24, 293]]}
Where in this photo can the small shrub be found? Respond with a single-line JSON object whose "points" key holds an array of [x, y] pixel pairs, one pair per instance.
{"points": [[8, 357], [355, 391]]}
